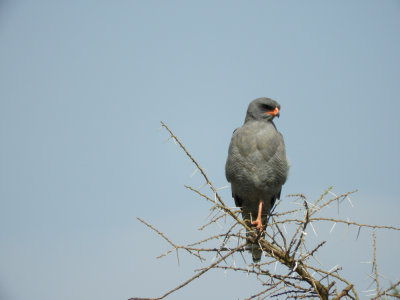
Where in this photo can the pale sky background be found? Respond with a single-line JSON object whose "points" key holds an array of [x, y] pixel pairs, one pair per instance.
{"points": [[84, 85]]}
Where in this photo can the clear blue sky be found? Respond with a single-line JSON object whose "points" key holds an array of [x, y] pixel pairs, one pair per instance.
{"points": [[84, 84]]}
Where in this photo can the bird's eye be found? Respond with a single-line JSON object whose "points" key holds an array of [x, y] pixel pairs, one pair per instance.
{"points": [[267, 107]]}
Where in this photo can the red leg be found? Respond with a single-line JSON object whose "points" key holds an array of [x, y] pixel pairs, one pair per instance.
{"points": [[258, 221]]}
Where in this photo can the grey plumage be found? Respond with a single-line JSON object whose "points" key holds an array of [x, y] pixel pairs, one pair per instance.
{"points": [[256, 165]]}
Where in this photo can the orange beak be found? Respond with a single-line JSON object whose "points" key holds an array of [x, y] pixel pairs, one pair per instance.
{"points": [[273, 112]]}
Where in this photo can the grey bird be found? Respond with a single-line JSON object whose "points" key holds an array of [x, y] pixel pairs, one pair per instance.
{"points": [[257, 166]]}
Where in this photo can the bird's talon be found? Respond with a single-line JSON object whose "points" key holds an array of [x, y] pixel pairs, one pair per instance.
{"points": [[258, 224]]}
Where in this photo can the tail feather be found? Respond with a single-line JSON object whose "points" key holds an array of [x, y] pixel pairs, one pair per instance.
{"points": [[249, 214], [254, 249], [256, 253]]}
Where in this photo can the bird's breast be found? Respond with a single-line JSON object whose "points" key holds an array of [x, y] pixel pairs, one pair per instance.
{"points": [[257, 160]]}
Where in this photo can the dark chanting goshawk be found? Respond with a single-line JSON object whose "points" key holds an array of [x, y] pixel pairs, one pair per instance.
{"points": [[257, 166]]}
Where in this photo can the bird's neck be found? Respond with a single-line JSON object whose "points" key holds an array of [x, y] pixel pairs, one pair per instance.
{"points": [[252, 119]]}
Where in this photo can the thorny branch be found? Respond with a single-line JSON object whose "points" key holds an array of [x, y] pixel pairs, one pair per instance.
{"points": [[300, 274], [386, 292], [376, 279]]}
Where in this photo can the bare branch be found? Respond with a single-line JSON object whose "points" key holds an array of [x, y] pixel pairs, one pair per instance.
{"points": [[385, 292], [374, 264], [203, 271], [284, 243]]}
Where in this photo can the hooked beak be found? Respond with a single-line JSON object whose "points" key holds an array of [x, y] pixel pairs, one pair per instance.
{"points": [[274, 112]]}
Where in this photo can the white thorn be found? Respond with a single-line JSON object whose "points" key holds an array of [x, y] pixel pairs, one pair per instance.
{"points": [[295, 266], [332, 193], [311, 204], [222, 187], [284, 228], [220, 226], [166, 140], [316, 259], [348, 198], [333, 269], [368, 291], [312, 226], [203, 185], [194, 172], [333, 226], [383, 276]]}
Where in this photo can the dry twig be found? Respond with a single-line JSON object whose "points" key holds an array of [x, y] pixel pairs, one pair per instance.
{"points": [[299, 276]]}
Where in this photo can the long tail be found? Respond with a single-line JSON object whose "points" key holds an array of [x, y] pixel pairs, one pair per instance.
{"points": [[256, 252], [254, 249], [248, 216]]}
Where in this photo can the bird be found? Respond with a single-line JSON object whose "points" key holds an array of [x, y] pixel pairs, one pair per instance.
{"points": [[257, 166]]}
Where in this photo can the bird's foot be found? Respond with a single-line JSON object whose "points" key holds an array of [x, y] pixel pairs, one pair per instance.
{"points": [[257, 223]]}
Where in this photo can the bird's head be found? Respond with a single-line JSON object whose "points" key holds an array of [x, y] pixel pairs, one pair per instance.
{"points": [[263, 109]]}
